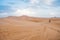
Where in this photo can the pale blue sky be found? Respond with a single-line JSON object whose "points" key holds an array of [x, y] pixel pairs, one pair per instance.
{"points": [[35, 8]]}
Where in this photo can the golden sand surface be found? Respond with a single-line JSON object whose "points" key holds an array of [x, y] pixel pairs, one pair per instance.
{"points": [[28, 28]]}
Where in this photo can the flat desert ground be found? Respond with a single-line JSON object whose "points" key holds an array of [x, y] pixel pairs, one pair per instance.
{"points": [[29, 28]]}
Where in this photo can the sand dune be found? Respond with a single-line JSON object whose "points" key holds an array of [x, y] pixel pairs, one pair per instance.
{"points": [[29, 28]]}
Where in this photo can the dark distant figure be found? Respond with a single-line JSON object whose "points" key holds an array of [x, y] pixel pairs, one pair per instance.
{"points": [[49, 20]]}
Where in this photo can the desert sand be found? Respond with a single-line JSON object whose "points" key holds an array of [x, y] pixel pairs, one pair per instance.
{"points": [[29, 28]]}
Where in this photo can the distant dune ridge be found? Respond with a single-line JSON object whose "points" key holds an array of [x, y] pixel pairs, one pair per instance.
{"points": [[29, 28]]}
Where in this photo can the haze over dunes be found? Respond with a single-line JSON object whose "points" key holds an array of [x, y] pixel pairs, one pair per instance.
{"points": [[29, 28]]}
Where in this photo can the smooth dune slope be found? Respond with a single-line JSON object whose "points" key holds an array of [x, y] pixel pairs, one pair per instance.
{"points": [[29, 28]]}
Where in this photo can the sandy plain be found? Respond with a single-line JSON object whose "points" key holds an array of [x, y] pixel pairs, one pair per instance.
{"points": [[29, 28]]}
